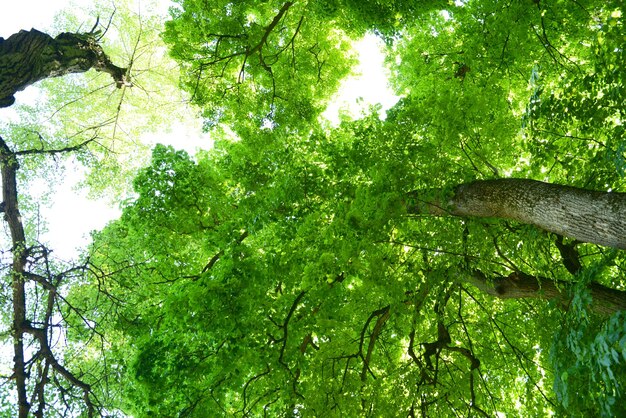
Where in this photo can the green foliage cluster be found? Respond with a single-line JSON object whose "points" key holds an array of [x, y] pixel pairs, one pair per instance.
{"points": [[257, 63], [278, 273], [589, 357], [581, 108], [589, 362]]}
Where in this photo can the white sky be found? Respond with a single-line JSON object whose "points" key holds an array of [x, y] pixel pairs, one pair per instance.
{"points": [[73, 216], [368, 86], [27, 14]]}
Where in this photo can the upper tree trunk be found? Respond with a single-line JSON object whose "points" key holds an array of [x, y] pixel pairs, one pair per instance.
{"points": [[29, 56], [585, 215]]}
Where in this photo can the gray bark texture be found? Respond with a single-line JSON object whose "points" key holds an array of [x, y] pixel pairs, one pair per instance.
{"points": [[29, 56], [585, 215]]}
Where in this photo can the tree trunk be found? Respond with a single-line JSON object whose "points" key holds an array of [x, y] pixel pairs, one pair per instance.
{"points": [[27, 323], [29, 56], [8, 169], [585, 215]]}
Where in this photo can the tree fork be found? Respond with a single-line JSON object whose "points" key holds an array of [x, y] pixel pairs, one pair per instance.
{"points": [[581, 214], [30, 56]]}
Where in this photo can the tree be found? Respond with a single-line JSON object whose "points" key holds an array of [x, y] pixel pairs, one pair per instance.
{"points": [[31, 263], [298, 269], [284, 294], [301, 272], [44, 381]]}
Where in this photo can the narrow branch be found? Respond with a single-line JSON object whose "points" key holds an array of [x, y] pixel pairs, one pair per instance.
{"points": [[383, 316], [248, 383], [46, 351], [270, 28], [220, 253], [285, 325], [64, 150]]}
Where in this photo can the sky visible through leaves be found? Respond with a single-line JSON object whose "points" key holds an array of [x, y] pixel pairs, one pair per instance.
{"points": [[73, 215]]}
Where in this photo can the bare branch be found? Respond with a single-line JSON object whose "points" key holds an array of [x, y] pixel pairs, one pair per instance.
{"points": [[64, 150]]}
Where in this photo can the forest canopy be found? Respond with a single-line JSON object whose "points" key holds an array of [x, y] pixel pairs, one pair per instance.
{"points": [[460, 254]]}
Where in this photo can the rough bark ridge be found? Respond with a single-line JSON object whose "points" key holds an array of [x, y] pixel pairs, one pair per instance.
{"points": [[585, 215], [29, 56]]}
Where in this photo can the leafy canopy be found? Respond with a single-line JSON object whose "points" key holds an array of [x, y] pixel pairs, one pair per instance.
{"points": [[278, 275]]}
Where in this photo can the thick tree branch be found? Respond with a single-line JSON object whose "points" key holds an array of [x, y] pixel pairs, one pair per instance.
{"points": [[584, 215], [569, 255], [30, 56], [605, 301]]}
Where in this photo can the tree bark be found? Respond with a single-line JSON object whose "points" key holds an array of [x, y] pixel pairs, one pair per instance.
{"points": [[8, 169], [29, 56], [585, 215], [605, 301]]}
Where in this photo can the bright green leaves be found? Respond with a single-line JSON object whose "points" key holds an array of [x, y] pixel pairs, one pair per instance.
{"points": [[274, 64], [385, 18], [210, 296], [460, 73], [585, 353], [171, 192], [263, 275], [470, 67], [576, 126], [279, 271], [263, 64]]}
